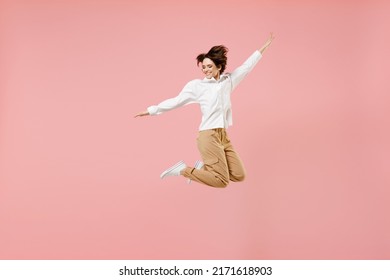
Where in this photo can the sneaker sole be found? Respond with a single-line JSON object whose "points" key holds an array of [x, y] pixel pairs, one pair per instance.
{"points": [[170, 169]]}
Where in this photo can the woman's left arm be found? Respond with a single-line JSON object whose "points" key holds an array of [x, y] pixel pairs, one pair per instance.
{"points": [[267, 44], [240, 72]]}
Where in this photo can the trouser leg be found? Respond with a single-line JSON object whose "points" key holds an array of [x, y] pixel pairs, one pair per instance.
{"points": [[215, 171], [235, 165]]}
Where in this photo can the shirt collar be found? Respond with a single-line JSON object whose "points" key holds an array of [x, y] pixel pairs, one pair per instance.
{"points": [[212, 80]]}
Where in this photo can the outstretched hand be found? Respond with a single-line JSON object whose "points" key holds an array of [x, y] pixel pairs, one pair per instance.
{"points": [[269, 41], [141, 114]]}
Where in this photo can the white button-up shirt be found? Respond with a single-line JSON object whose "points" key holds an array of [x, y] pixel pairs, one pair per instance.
{"points": [[213, 96]]}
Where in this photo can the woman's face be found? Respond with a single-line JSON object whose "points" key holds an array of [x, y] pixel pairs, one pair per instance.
{"points": [[210, 69]]}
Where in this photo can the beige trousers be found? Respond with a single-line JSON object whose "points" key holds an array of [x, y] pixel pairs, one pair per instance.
{"points": [[221, 163]]}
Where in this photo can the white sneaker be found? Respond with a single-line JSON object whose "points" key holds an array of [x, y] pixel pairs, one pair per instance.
{"points": [[174, 170], [198, 165]]}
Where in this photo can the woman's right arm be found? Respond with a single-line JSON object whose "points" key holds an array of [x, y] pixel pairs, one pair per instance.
{"points": [[141, 114], [185, 97]]}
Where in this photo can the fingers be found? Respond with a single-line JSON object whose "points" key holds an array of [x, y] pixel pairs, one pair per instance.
{"points": [[270, 39], [141, 114]]}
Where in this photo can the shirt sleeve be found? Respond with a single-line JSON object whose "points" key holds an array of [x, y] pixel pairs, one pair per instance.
{"points": [[240, 72], [185, 97]]}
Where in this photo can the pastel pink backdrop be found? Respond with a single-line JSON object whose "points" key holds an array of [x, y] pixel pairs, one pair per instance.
{"points": [[80, 176]]}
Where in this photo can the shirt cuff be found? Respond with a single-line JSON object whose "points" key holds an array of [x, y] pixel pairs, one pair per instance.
{"points": [[152, 110], [259, 53]]}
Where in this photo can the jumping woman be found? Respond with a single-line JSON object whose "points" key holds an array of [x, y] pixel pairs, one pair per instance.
{"points": [[221, 163]]}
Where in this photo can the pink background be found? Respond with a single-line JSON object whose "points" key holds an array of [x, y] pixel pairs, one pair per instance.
{"points": [[79, 175]]}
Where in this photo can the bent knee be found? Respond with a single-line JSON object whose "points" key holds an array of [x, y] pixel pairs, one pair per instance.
{"points": [[224, 184], [238, 177], [221, 183]]}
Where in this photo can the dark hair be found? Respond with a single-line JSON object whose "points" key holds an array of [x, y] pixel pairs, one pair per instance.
{"points": [[217, 54]]}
